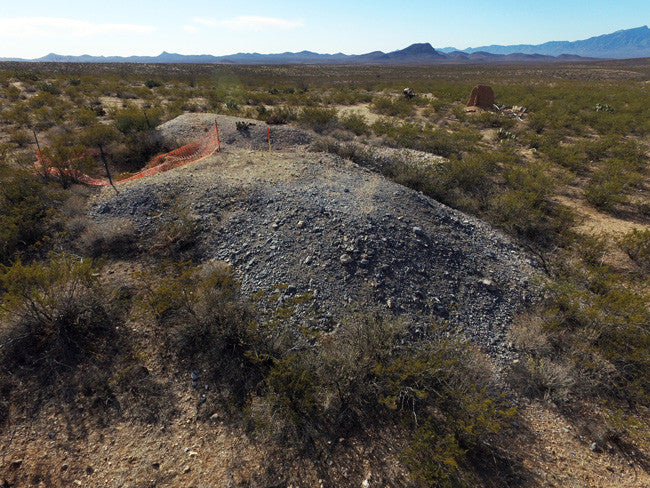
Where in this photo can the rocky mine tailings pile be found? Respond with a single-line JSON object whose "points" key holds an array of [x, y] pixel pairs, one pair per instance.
{"points": [[317, 223]]}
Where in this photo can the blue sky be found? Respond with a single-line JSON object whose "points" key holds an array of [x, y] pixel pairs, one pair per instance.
{"points": [[33, 28]]}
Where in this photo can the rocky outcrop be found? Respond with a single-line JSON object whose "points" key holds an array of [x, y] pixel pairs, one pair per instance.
{"points": [[481, 96]]}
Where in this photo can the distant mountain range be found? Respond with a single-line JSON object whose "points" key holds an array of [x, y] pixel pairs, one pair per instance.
{"points": [[630, 43]]}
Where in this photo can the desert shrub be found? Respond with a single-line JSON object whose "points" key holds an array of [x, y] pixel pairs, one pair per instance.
{"points": [[25, 212], [611, 182], [356, 123], [371, 370], [605, 194], [636, 245], [206, 325], [53, 316], [13, 93], [50, 88], [489, 119], [280, 115], [526, 207], [134, 151], [543, 377], [65, 153], [42, 99], [600, 323], [86, 116], [176, 238], [116, 238], [232, 105], [427, 138], [538, 221], [318, 119], [131, 119], [394, 107], [152, 83], [20, 137]]}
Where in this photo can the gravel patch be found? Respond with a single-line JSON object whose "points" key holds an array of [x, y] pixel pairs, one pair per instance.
{"points": [[341, 235], [189, 127]]}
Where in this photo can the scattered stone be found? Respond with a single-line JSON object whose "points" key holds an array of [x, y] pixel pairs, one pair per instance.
{"points": [[192, 454], [594, 447], [488, 283], [345, 259], [16, 463], [89, 470], [418, 231], [236, 226], [64, 467], [186, 469]]}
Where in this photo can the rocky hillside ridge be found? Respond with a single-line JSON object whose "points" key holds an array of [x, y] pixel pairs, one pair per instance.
{"points": [[341, 236]]}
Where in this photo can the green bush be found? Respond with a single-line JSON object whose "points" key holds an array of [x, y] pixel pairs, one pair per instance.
{"points": [[53, 315], [50, 88], [356, 123], [318, 119], [489, 119], [133, 119], [371, 370], [206, 325], [599, 322], [25, 212], [152, 83], [636, 245], [399, 107], [279, 115]]}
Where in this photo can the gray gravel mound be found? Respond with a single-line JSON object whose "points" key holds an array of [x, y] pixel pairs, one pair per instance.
{"points": [[346, 236], [189, 127]]}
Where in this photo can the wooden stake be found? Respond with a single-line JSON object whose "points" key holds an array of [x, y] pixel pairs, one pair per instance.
{"points": [[38, 146], [108, 172]]}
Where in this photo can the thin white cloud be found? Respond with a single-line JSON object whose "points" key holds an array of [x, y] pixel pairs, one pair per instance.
{"points": [[63, 27], [251, 23], [190, 29], [201, 21]]}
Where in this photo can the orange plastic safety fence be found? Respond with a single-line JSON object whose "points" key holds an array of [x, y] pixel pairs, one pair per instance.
{"points": [[178, 157]]}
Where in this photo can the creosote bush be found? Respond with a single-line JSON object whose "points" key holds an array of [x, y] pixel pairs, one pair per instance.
{"points": [[26, 211], [53, 316], [318, 119], [373, 370]]}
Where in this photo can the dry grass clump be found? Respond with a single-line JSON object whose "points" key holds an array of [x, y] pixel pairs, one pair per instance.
{"points": [[115, 238]]}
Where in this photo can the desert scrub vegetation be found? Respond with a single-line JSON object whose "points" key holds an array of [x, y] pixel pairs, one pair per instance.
{"points": [[52, 314], [437, 389], [299, 386], [590, 338], [26, 212], [62, 340], [583, 137]]}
